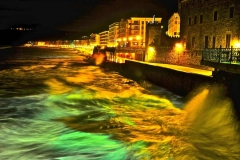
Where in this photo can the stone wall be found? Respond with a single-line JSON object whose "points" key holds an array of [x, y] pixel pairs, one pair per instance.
{"points": [[210, 28], [191, 58]]}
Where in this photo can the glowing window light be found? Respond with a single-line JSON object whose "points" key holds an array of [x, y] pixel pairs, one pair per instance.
{"points": [[138, 37], [124, 39], [130, 38]]}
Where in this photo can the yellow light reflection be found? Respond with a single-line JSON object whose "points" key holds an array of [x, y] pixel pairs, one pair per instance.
{"points": [[56, 87]]}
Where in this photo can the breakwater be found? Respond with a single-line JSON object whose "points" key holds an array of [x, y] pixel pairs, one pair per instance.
{"points": [[177, 81]]}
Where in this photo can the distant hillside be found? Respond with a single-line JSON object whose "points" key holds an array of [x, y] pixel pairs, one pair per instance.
{"points": [[20, 34]]}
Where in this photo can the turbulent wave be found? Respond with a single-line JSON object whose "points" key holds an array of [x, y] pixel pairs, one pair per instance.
{"points": [[213, 128], [58, 109]]}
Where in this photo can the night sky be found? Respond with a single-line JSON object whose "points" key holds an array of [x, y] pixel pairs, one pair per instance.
{"points": [[80, 15]]}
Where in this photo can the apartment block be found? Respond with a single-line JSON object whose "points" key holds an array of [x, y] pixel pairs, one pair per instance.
{"points": [[94, 39], [104, 38], [174, 26], [133, 31]]}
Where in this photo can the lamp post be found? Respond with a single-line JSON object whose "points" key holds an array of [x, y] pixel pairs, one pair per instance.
{"points": [[178, 49]]}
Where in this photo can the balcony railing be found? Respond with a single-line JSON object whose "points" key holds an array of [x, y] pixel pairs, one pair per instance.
{"points": [[222, 55]]}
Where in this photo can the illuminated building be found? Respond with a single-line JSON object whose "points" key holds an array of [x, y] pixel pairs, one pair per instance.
{"points": [[124, 31], [133, 31], [94, 39], [113, 34], [174, 26], [209, 23], [104, 38]]}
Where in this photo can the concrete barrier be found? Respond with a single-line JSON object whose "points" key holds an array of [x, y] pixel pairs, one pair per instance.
{"points": [[176, 81]]}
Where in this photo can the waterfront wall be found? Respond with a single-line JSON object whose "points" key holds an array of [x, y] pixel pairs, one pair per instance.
{"points": [[168, 55], [179, 82]]}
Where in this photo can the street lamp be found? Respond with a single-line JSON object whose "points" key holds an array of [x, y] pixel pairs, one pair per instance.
{"points": [[237, 44], [178, 49], [151, 52]]}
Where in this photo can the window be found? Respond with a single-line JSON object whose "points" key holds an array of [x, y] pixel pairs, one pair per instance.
{"points": [[175, 33], [135, 22], [195, 20], [135, 27], [231, 12], [175, 22], [228, 39], [206, 42], [189, 21], [193, 42], [215, 16], [201, 19], [213, 42]]}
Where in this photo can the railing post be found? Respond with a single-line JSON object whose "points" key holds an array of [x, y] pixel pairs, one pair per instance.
{"points": [[203, 54], [231, 55], [220, 54]]}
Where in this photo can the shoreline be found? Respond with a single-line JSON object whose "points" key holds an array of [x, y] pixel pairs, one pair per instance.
{"points": [[4, 47]]}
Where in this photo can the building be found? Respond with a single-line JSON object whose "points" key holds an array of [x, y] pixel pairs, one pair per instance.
{"points": [[94, 39], [133, 31], [209, 23], [103, 38], [113, 34], [124, 31], [174, 26]]}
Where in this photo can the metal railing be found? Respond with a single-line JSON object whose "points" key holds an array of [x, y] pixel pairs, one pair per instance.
{"points": [[221, 55]]}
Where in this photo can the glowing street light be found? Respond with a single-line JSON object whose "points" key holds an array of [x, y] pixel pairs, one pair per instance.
{"points": [[178, 49], [151, 53], [237, 45]]}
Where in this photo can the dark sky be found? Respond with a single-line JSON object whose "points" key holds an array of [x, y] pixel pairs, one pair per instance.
{"points": [[80, 15]]}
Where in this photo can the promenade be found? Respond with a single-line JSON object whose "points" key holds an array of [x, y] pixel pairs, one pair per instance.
{"points": [[181, 68]]}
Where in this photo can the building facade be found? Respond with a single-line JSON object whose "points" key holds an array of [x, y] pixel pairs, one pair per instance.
{"points": [[209, 23], [133, 31], [94, 39], [104, 38], [174, 26], [113, 34], [124, 26]]}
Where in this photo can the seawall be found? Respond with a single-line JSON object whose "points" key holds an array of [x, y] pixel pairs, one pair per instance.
{"points": [[179, 82]]}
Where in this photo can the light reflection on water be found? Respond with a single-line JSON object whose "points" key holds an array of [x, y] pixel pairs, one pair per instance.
{"points": [[71, 111]]}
